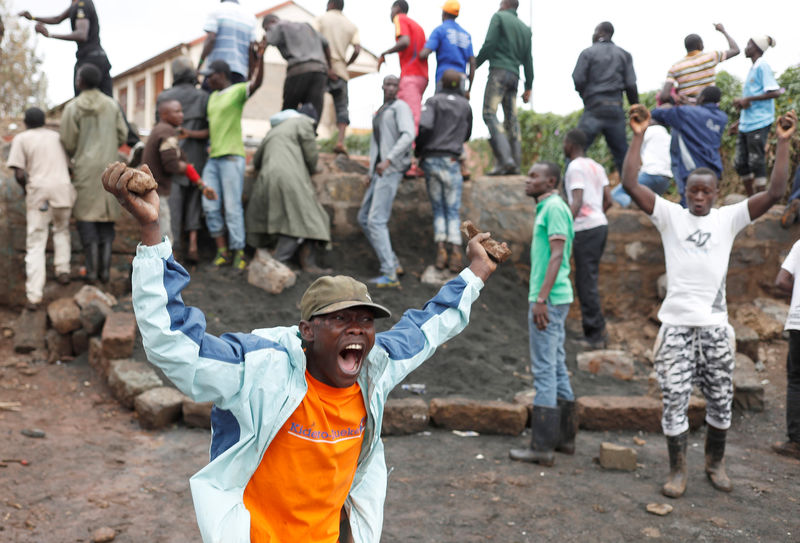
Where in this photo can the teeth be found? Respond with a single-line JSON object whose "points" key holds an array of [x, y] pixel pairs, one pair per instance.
{"points": [[355, 347]]}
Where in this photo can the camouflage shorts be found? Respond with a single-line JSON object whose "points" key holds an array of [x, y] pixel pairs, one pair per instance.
{"points": [[702, 356]]}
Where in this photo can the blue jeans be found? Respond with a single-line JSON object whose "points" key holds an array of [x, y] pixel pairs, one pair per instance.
{"points": [[657, 183], [610, 120], [548, 357], [795, 186], [225, 175], [374, 218], [501, 90], [444, 180]]}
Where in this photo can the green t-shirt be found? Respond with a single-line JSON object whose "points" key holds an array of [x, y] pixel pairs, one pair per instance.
{"points": [[553, 219], [225, 120]]}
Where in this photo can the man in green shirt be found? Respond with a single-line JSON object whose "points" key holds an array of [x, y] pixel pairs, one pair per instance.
{"points": [[224, 171], [553, 424], [506, 47]]}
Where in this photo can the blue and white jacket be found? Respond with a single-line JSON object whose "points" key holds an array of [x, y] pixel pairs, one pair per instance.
{"points": [[257, 380]]}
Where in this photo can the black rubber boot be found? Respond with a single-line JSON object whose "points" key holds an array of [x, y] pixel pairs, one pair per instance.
{"points": [[715, 461], [104, 269], [568, 427], [91, 251], [678, 472], [545, 425]]}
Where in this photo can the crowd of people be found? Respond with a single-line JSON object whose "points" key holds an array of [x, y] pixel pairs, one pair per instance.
{"points": [[320, 410]]}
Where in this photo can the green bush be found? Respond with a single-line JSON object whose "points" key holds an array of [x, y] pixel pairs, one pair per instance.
{"points": [[357, 144]]}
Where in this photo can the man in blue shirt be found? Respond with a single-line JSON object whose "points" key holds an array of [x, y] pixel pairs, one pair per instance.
{"points": [[453, 47], [231, 35], [757, 106], [696, 136]]}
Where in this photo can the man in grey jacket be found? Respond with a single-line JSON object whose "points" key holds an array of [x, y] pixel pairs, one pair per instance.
{"points": [[444, 127], [389, 156]]}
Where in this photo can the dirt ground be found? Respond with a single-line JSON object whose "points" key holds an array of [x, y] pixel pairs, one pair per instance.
{"points": [[95, 467]]}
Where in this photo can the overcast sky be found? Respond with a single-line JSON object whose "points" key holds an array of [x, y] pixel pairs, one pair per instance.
{"points": [[134, 31]]}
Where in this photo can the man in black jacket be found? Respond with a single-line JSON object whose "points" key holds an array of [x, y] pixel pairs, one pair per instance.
{"points": [[444, 126], [602, 73]]}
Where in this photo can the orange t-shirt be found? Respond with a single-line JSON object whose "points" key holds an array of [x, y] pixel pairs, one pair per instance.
{"points": [[298, 490]]}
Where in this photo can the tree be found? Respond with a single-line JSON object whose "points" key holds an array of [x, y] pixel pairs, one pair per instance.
{"points": [[22, 83]]}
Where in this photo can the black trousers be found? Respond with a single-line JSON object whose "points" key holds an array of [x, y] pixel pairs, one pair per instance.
{"points": [[793, 387], [587, 249], [608, 120], [95, 232], [305, 88]]}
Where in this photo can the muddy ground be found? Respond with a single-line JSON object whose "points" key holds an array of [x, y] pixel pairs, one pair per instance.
{"points": [[96, 467]]}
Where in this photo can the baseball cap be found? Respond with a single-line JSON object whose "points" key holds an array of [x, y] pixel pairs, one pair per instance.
{"points": [[218, 66], [329, 294], [452, 7]]}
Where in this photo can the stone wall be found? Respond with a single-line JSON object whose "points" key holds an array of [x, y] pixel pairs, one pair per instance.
{"points": [[632, 263]]}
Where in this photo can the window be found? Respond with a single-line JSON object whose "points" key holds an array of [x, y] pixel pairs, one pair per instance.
{"points": [[158, 82], [140, 93], [123, 100]]}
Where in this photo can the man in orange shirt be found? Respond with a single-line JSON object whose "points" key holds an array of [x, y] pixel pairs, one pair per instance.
{"points": [[296, 453]]}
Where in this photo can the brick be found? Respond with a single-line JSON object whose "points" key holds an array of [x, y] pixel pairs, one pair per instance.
{"points": [[128, 379], [119, 334], [197, 414], [97, 361], [631, 413], [29, 331], [80, 342], [64, 315], [525, 398], [93, 316], [90, 293], [268, 274], [618, 364], [486, 417], [746, 339], [404, 416], [617, 457], [748, 392], [59, 346], [158, 407]]}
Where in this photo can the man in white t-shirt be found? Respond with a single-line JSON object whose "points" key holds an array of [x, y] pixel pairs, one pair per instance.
{"points": [[589, 197], [786, 280], [656, 172], [696, 344], [41, 167]]}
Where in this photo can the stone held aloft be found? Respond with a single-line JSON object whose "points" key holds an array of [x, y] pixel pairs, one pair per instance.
{"points": [[497, 251], [141, 182]]}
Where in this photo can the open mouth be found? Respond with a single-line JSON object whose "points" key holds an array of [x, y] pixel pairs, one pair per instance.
{"points": [[350, 358]]}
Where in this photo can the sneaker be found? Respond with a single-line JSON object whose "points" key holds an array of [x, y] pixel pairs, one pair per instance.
{"points": [[223, 258], [239, 263], [135, 156], [789, 216], [384, 281], [62, 279], [787, 448]]}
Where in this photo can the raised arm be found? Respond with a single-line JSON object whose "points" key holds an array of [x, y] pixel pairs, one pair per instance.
{"points": [[733, 48], [80, 34], [643, 196], [760, 203], [208, 46], [258, 72], [54, 20]]}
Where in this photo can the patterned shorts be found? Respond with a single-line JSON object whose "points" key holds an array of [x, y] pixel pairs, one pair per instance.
{"points": [[702, 356]]}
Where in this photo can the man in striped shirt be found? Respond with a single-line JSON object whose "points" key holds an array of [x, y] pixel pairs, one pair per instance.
{"points": [[696, 71]]}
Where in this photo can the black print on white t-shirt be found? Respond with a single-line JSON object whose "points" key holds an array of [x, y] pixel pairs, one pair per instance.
{"points": [[699, 238]]}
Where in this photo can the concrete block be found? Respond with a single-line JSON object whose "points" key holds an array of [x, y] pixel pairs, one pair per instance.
{"points": [[618, 364], [119, 334], [64, 315], [197, 414], [748, 392], [128, 379], [404, 416], [158, 407], [617, 457], [631, 413], [93, 316], [29, 331], [268, 274], [487, 417], [747, 340], [525, 398]]}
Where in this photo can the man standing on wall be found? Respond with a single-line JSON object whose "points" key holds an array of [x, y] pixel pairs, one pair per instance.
{"points": [[602, 73], [453, 47], [506, 47], [340, 33], [230, 36]]}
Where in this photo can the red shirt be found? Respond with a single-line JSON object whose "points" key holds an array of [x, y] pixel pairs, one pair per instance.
{"points": [[410, 63]]}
